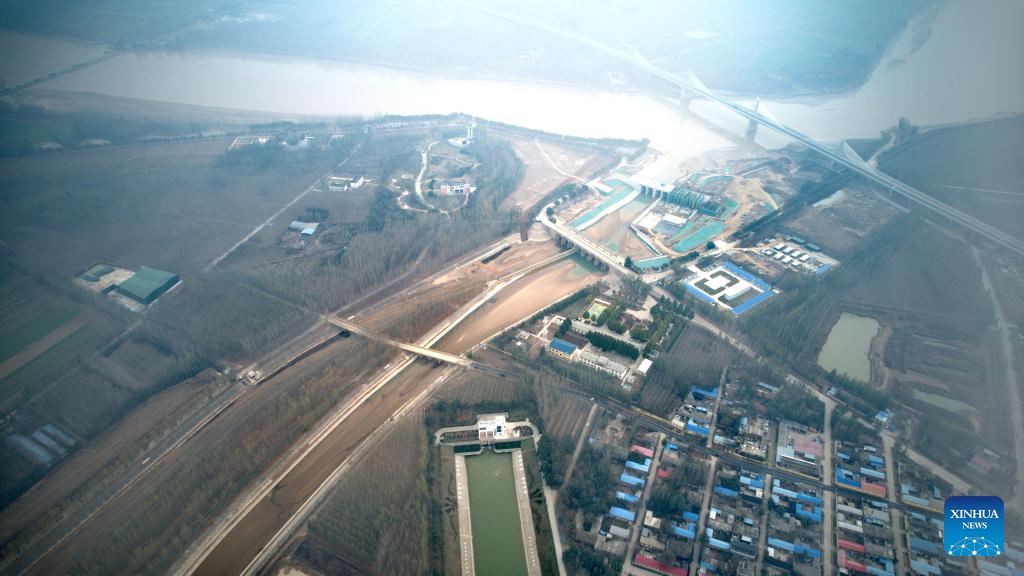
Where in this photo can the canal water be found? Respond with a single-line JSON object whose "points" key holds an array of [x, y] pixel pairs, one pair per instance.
{"points": [[497, 535], [847, 347]]}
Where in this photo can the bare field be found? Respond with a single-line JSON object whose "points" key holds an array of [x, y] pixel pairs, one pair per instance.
{"points": [[843, 225], [131, 202], [549, 165]]}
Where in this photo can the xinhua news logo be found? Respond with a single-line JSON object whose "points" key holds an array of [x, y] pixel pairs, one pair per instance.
{"points": [[974, 526]]}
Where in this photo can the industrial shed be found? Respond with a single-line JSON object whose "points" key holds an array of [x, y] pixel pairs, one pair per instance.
{"points": [[147, 284]]}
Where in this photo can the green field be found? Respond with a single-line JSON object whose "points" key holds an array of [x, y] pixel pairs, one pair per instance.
{"points": [[30, 312]]}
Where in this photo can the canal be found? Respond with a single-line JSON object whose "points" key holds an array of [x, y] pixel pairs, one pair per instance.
{"points": [[497, 536]]}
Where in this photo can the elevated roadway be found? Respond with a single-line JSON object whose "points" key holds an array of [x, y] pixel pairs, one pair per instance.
{"points": [[420, 350], [584, 245]]}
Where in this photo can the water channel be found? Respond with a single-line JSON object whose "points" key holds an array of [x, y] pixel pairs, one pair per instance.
{"points": [[497, 535]]}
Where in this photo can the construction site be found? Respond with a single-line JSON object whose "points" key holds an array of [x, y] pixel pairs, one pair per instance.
{"points": [[657, 209]]}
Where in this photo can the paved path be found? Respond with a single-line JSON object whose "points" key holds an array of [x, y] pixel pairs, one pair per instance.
{"points": [[584, 435], [465, 525], [551, 498], [828, 504], [424, 154], [705, 509], [638, 525], [901, 565], [525, 514]]}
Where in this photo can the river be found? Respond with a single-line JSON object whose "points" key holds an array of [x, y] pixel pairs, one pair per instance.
{"points": [[297, 86], [930, 75], [847, 346], [960, 64]]}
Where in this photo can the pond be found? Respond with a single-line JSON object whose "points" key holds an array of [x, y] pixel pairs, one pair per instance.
{"points": [[847, 346]]}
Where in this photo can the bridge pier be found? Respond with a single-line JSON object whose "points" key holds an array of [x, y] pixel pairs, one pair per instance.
{"points": [[685, 97], [751, 134]]}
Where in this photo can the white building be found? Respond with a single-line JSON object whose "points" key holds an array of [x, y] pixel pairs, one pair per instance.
{"points": [[456, 188], [492, 427], [601, 363], [737, 291], [645, 365]]}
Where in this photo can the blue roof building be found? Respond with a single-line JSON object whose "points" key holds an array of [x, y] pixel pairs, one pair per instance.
{"points": [[631, 480], [561, 348], [622, 514], [627, 497], [926, 546]]}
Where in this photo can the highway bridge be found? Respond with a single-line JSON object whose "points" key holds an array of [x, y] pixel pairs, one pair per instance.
{"points": [[842, 155], [420, 350], [565, 235]]}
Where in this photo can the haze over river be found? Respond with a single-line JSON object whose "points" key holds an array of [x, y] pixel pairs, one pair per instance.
{"points": [[937, 78]]}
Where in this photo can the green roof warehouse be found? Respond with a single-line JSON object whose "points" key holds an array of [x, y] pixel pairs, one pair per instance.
{"points": [[147, 284]]}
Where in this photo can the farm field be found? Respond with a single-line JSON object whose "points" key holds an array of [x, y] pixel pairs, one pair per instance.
{"points": [[30, 312], [564, 415], [83, 475]]}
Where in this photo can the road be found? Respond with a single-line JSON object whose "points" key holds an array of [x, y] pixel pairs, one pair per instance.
{"points": [[425, 158], [705, 510], [762, 535], [418, 350], [638, 524], [828, 498], [602, 253], [901, 564], [1012, 384]]}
